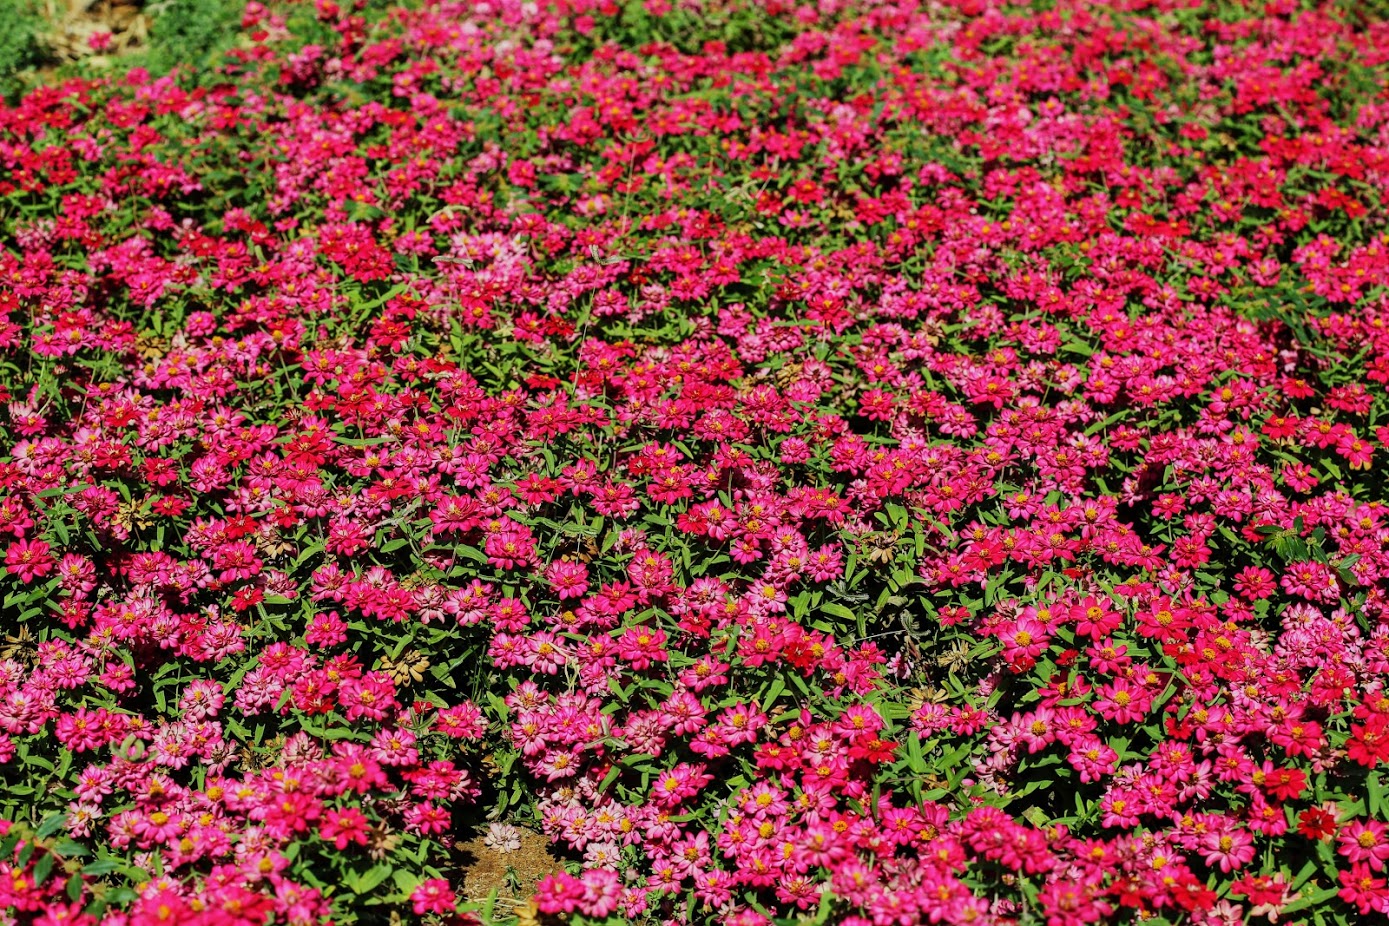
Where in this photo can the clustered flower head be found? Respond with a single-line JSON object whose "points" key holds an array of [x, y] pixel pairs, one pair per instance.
{"points": [[892, 462]]}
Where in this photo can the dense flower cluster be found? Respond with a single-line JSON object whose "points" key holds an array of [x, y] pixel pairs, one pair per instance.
{"points": [[874, 462]]}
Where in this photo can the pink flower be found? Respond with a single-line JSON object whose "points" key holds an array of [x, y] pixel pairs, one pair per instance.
{"points": [[29, 559], [559, 893], [341, 827], [1361, 889], [1095, 618], [640, 647], [510, 549], [1092, 759], [569, 580], [326, 630], [1121, 701], [1067, 903], [433, 896], [1227, 850], [372, 696], [1365, 841], [1023, 642]]}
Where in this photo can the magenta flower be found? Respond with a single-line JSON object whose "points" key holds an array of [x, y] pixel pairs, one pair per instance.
{"points": [[29, 560], [433, 896]]}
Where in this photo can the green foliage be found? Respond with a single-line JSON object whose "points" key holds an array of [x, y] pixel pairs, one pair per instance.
{"points": [[191, 33], [19, 25]]}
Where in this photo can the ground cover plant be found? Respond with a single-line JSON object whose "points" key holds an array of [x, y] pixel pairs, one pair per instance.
{"points": [[856, 462]]}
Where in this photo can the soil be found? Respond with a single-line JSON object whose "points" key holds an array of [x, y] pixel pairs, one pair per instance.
{"points": [[120, 26], [485, 869]]}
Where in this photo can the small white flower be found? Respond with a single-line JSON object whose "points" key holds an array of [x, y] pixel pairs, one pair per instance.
{"points": [[502, 837]]}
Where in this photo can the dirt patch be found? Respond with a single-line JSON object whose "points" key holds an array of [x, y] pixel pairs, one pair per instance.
{"points": [[92, 29], [512, 874]]}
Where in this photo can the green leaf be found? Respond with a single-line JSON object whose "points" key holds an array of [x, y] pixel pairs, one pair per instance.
{"points": [[916, 760], [1304, 875], [102, 866], [777, 687], [405, 881], [42, 868], [837, 610], [52, 824], [371, 879], [1315, 899]]}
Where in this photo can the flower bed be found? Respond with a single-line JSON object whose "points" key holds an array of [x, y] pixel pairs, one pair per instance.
{"points": [[864, 463]]}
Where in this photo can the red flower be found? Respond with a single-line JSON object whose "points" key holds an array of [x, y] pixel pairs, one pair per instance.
{"points": [[1317, 822]]}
